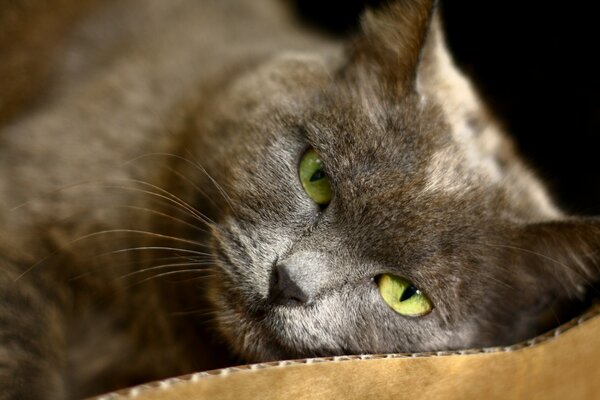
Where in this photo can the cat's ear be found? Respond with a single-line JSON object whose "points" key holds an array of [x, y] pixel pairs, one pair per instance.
{"points": [[396, 40], [568, 250], [552, 270]]}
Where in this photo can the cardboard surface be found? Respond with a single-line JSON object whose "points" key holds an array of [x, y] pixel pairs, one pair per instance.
{"points": [[563, 364]]}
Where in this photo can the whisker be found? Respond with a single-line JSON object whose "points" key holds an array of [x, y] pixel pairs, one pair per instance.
{"points": [[171, 195], [568, 267], [164, 215], [217, 185], [164, 266], [548, 258], [170, 273], [190, 210], [193, 184], [196, 164], [485, 275], [482, 272], [141, 248], [123, 263], [105, 232], [525, 250], [54, 191], [140, 232], [201, 312]]}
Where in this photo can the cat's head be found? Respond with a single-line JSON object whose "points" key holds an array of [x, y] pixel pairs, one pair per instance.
{"points": [[367, 203]]}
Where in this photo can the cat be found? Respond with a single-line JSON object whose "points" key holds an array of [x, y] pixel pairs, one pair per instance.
{"points": [[191, 183]]}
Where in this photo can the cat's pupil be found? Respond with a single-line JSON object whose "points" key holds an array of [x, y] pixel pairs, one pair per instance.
{"points": [[408, 293], [319, 174]]}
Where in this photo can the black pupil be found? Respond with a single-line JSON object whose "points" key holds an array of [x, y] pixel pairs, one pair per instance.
{"points": [[319, 174], [408, 293]]}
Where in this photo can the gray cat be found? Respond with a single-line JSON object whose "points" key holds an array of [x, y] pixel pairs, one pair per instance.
{"points": [[191, 174]]}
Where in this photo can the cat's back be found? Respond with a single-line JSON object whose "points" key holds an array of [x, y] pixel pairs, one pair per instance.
{"points": [[81, 164], [121, 80]]}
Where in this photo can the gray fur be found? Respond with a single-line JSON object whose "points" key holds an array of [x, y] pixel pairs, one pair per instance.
{"points": [[186, 120]]}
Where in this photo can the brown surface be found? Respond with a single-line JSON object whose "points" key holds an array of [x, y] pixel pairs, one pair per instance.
{"points": [[561, 365]]}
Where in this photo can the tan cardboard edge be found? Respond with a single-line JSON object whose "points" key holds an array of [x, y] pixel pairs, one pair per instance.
{"points": [[164, 385]]}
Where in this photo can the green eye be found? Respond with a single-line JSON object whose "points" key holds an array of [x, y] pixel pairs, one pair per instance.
{"points": [[402, 296], [314, 179]]}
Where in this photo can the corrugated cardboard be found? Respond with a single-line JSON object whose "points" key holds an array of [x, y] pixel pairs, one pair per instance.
{"points": [[563, 364]]}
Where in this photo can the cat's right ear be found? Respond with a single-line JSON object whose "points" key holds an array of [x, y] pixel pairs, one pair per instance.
{"points": [[394, 39]]}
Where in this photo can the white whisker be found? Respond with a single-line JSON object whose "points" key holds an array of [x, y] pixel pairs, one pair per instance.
{"points": [[170, 273], [164, 266], [141, 248]]}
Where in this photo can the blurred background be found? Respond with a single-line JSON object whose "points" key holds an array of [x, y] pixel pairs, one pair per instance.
{"points": [[536, 66]]}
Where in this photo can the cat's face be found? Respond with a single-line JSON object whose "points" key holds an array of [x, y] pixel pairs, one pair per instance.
{"points": [[423, 187]]}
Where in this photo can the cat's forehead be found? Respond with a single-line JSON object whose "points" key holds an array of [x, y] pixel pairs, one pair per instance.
{"points": [[284, 80], [363, 128], [435, 138], [360, 127]]}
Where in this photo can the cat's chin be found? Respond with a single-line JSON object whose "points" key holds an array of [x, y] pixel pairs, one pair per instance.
{"points": [[267, 333], [274, 332]]}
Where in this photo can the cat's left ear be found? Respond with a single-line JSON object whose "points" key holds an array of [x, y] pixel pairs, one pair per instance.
{"points": [[551, 271], [566, 253], [398, 42]]}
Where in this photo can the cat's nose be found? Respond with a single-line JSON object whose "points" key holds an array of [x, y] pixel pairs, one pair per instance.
{"points": [[299, 278], [284, 286]]}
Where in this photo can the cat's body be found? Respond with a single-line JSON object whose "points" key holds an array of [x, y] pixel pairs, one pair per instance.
{"points": [[152, 113], [121, 81]]}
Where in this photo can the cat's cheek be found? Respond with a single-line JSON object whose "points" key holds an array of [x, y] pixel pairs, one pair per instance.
{"points": [[235, 327], [342, 322]]}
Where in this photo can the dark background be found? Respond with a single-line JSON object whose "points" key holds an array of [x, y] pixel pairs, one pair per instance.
{"points": [[536, 66]]}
